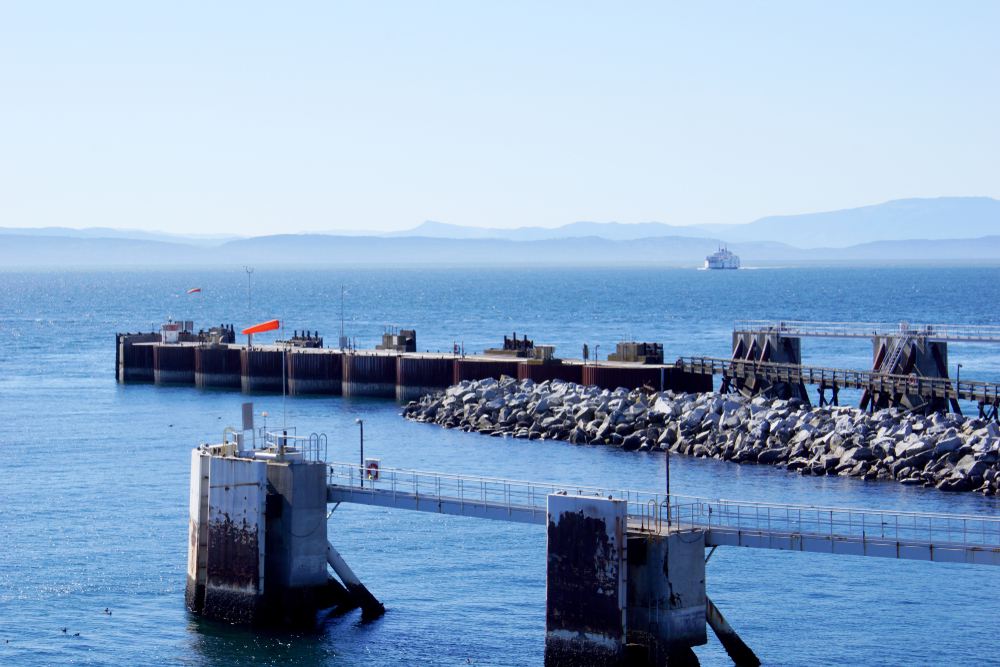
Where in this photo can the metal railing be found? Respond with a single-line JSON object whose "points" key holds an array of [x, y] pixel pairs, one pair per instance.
{"points": [[648, 509], [935, 332], [491, 491], [312, 447], [983, 392], [912, 527]]}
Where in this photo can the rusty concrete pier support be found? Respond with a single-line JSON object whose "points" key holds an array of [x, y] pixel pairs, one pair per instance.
{"points": [[615, 596], [258, 549], [585, 581]]}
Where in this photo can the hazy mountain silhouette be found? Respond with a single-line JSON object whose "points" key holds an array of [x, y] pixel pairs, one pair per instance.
{"points": [[109, 233], [941, 218], [300, 249]]}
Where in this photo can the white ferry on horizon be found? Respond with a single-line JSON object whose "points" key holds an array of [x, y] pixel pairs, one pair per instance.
{"points": [[723, 259]]}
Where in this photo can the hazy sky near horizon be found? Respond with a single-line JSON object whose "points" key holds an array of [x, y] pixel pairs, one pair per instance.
{"points": [[257, 118]]}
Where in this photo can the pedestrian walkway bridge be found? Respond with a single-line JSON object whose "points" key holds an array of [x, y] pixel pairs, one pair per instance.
{"points": [[836, 530], [958, 333], [984, 393]]}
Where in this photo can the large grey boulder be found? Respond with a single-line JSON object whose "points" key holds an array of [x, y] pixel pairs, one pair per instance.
{"points": [[968, 466], [913, 446], [948, 444]]}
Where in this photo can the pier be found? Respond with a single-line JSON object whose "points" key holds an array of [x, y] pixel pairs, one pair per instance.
{"points": [[909, 369], [213, 361], [738, 374], [626, 569], [909, 364]]}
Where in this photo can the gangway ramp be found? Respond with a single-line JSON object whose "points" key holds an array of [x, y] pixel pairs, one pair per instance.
{"points": [[924, 536]]}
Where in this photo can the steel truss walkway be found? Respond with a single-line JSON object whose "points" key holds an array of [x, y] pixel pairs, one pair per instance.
{"points": [[985, 393], [907, 535], [948, 333]]}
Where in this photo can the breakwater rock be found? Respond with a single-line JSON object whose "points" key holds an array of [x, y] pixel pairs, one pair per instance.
{"points": [[948, 451]]}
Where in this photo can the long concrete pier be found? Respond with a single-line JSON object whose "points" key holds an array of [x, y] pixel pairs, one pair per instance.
{"points": [[375, 373]]}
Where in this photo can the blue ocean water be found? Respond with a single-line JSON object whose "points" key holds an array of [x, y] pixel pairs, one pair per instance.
{"points": [[96, 474]]}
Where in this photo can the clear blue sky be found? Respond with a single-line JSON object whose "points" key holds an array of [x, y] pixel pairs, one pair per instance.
{"points": [[259, 118]]}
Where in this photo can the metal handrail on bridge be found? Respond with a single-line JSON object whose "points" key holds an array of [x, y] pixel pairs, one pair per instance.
{"points": [[689, 513], [312, 447], [971, 333], [983, 392], [502, 493]]}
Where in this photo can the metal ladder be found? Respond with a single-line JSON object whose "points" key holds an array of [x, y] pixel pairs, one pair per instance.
{"points": [[653, 626], [893, 354]]}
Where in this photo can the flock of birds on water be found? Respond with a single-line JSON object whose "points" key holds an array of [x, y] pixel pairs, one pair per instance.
{"points": [[66, 630]]}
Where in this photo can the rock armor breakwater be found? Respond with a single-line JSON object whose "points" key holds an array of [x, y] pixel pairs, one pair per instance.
{"points": [[947, 451]]}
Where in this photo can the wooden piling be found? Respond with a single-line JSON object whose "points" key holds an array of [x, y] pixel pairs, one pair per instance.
{"points": [[369, 375], [260, 371], [217, 368], [173, 364], [315, 372], [416, 376]]}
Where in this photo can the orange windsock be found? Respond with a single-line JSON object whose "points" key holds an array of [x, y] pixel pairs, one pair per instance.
{"points": [[266, 326]]}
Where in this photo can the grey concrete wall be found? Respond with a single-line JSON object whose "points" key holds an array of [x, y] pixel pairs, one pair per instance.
{"points": [[666, 590], [779, 353], [296, 536]]}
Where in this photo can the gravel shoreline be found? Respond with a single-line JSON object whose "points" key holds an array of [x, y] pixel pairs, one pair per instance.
{"points": [[947, 451]]}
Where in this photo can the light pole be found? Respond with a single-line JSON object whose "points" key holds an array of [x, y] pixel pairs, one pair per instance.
{"points": [[249, 270], [668, 487], [361, 423], [342, 316], [596, 356]]}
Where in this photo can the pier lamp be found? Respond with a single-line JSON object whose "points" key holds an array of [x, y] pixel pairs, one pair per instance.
{"points": [[361, 423]]}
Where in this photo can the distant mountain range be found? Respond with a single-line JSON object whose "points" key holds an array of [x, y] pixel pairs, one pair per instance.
{"points": [[899, 220], [614, 231], [902, 219], [298, 249], [913, 229], [109, 233]]}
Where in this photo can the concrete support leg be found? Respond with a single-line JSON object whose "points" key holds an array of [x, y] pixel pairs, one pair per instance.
{"points": [[735, 647], [369, 605]]}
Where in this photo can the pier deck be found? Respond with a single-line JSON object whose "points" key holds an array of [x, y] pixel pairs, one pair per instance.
{"points": [[947, 538], [376, 373]]}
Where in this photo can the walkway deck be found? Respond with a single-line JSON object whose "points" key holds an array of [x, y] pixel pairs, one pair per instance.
{"points": [[958, 333], [908, 535], [983, 392]]}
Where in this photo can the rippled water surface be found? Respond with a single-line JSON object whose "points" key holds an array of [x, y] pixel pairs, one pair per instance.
{"points": [[96, 474]]}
